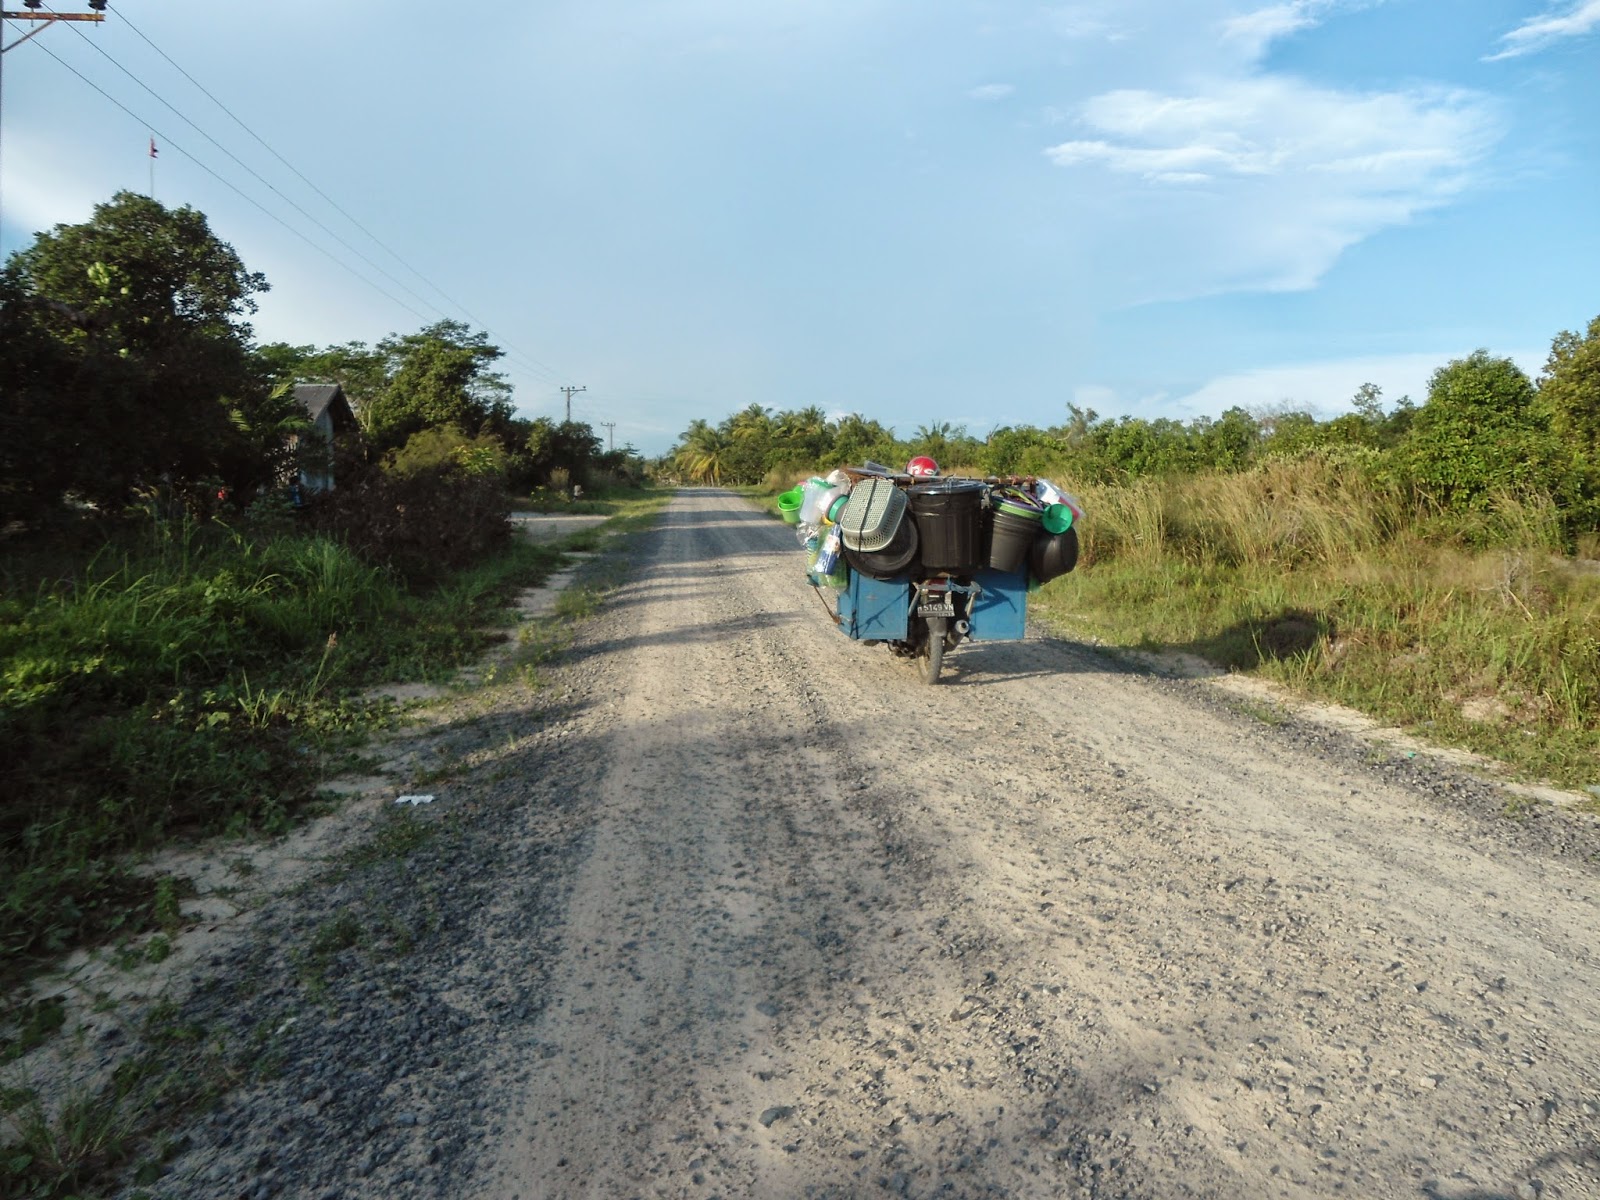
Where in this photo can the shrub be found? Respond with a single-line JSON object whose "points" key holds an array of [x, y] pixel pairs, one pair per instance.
{"points": [[422, 523], [447, 446], [1480, 434]]}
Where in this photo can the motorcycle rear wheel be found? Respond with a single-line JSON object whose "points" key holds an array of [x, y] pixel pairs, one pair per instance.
{"points": [[931, 658]]}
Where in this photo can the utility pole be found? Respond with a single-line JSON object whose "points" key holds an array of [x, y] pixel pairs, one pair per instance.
{"points": [[569, 391], [610, 428], [30, 12]]}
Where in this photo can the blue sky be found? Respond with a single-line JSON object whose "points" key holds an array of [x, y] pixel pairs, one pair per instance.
{"points": [[972, 211]]}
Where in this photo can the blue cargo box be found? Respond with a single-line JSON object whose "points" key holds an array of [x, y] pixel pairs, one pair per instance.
{"points": [[875, 609], [1000, 614], [879, 609]]}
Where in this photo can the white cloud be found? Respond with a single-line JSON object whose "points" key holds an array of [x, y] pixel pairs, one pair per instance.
{"points": [[1262, 181], [1325, 388], [1097, 396], [43, 190], [1084, 20], [1537, 33], [991, 91], [1253, 32]]}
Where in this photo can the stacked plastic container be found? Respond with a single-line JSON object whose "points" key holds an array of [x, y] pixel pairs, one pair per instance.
{"points": [[950, 526]]}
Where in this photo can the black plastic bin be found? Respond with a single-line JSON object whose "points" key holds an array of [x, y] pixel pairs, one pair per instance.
{"points": [[1011, 536], [949, 516]]}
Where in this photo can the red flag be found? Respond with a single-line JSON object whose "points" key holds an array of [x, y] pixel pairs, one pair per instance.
{"points": [[153, 148]]}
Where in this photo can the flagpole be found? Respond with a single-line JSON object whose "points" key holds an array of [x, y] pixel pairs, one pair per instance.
{"points": [[152, 166]]}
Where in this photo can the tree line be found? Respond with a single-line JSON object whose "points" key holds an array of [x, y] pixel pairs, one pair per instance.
{"points": [[1485, 430], [130, 367]]}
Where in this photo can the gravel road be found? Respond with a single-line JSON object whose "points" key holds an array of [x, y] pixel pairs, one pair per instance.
{"points": [[736, 907]]}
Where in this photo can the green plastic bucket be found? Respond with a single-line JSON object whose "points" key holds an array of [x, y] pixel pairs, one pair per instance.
{"points": [[1057, 518], [789, 504]]}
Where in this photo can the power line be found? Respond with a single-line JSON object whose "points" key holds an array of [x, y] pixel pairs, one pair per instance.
{"points": [[530, 362], [234, 187], [531, 365], [256, 175], [541, 369]]}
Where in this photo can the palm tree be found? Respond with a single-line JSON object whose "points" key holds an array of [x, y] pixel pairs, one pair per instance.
{"points": [[753, 421], [805, 432], [702, 452], [934, 440]]}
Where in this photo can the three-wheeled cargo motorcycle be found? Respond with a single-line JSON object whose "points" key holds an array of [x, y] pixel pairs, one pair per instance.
{"points": [[922, 564]]}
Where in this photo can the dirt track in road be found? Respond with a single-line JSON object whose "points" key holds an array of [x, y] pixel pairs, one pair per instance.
{"points": [[1053, 927], [720, 903]]}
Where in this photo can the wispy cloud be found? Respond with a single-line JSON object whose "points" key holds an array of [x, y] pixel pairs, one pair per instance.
{"points": [[1090, 19], [991, 91], [1253, 32], [1417, 141], [1284, 174], [1537, 33], [1326, 387]]}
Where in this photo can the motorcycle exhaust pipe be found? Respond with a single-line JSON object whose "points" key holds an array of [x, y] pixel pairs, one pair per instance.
{"points": [[962, 627]]}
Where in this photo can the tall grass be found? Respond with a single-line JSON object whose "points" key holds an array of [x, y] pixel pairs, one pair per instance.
{"points": [[1478, 628], [190, 679]]}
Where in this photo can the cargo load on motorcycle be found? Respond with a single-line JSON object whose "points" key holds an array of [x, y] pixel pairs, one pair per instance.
{"points": [[922, 562]]}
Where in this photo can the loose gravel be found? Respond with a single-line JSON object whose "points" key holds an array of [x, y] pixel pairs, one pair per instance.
{"points": [[731, 906]]}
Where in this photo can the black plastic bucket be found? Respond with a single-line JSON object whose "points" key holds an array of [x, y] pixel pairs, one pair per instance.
{"points": [[1011, 538], [898, 558], [1053, 555], [949, 517]]}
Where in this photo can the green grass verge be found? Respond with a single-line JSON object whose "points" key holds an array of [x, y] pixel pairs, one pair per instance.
{"points": [[194, 682], [604, 503], [1491, 647]]}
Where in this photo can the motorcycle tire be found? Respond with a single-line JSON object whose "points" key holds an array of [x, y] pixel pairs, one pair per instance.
{"points": [[931, 660]]}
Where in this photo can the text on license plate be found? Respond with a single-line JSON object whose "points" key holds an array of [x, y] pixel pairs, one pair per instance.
{"points": [[936, 610]]}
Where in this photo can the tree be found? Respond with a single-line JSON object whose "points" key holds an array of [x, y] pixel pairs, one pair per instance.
{"points": [[749, 432], [1230, 442], [1368, 403], [857, 440], [1569, 392], [803, 435], [135, 366], [1013, 451], [702, 452], [361, 371], [437, 377], [569, 446], [1479, 433], [934, 440]]}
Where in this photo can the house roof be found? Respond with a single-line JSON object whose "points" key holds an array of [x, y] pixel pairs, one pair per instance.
{"points": [[319, 398], [316, 397]]}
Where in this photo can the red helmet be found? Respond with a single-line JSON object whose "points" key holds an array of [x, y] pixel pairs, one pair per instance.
{"points": [[922, 465]]}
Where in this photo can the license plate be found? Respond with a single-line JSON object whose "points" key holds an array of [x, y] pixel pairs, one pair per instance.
{"points": [[936, 610]]}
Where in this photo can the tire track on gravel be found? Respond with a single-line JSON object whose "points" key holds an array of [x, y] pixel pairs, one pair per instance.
{"points": [[839, 934]]}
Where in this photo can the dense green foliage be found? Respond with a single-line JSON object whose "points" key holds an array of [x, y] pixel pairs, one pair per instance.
{"points": [[127, 364], [129, 373], [1476, 630], [190, 678], [408, 383], [179, 630], [437, 507], [1485, 435]]}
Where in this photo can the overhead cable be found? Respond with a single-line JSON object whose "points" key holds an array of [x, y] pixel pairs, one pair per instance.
{"points": [[167, 140], [529, 361]]}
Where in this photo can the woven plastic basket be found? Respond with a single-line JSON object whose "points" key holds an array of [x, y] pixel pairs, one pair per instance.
{"points": [[872, 515]]}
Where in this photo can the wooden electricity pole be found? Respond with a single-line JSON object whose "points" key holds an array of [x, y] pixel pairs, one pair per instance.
{"points": [[611, 427], [569, 391], [32, 13]]}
